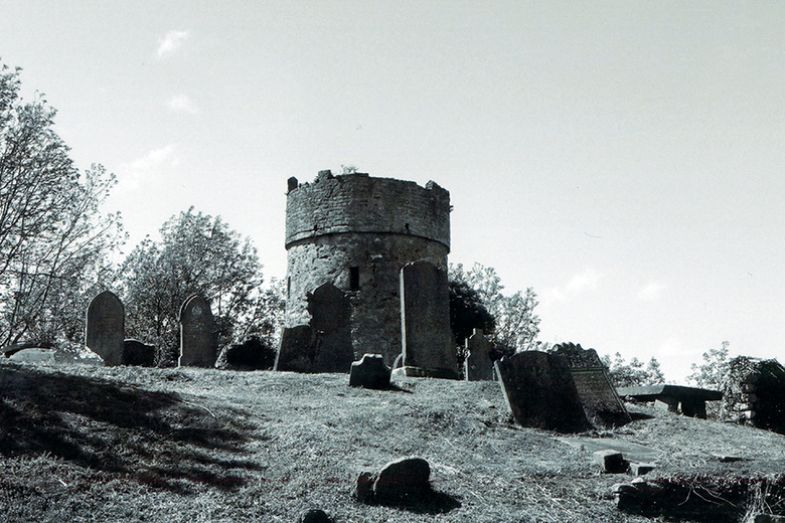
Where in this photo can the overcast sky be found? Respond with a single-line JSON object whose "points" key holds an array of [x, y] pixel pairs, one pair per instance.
{"points": [[624, 159]]}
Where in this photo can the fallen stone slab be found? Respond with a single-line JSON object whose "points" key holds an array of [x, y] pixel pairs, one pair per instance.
{"points": [[632, 451], [689, 401]]}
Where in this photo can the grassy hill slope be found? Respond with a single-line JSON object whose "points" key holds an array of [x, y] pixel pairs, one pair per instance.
{"points": [[80, 443]]}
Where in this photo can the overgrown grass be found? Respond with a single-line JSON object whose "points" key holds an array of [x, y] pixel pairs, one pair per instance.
{"points": [[81, 443]]}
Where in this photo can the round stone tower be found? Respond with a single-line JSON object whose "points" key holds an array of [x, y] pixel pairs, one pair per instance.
{"points": [[357, 232]]}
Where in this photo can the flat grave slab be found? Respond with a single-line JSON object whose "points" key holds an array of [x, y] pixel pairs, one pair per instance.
{"points": [[654, 392], [632, 451]]}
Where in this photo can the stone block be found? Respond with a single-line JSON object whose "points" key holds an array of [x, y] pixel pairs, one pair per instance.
{"points": [[137, 353], [611, 461], [252, 354], [640, 469], [403, 480]]}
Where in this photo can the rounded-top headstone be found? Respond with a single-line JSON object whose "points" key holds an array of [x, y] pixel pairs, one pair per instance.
{"points": [[198, 339], [105, 328]]}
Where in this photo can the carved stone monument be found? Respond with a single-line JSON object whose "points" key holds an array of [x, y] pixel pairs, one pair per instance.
{"points": [[598, 397], [478, 365], [198, 334], [540, 391], [325, 344], [330, 320], [425, 322], [105, 329]]}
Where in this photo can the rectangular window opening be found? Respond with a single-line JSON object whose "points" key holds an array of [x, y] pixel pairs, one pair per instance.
{"points": [[288, 286], [354, 278]]}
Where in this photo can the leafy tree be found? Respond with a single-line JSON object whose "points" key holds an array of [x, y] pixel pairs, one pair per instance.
{"points": [[467, 312], [515, 325], [197, 254], [715, 366], [54, 241], [634, 373]]}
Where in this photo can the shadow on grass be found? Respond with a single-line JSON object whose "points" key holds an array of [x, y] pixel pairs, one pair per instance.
{"points": [[151, 437], [638, 416], [429, 502], [434, 503], [395, 388]]}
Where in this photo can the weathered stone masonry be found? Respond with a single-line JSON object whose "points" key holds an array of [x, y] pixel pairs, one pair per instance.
{"points": [[357, 232]]}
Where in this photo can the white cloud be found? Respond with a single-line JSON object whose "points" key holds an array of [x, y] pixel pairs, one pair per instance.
{"points": [[170, 43], [182, 103], [587, 280], [651, 291], [146, 168]]}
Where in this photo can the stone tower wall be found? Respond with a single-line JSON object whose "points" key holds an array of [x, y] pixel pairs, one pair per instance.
{"points": [[374, 225]]}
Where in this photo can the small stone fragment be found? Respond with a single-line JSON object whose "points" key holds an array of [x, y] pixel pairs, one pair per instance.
{"points": [[640, 469], [363, 489], [403, 480], [315, 515], [370, 372], [611, 461]]}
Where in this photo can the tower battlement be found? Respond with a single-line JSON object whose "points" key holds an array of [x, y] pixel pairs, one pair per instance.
{"points": [[358, 203]]}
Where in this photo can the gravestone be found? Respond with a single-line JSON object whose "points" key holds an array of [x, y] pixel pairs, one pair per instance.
{"points": [[330, 312], [198, 334], [425, 322], [296, 350], [137, 353], [105, 329], [478, 365], [252, 354], [602, 405], [325, 344], [540, 391], [370, 372]]}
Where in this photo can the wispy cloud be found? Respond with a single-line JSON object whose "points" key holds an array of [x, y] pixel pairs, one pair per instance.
{"points": [[171, 42], [587, 280], [146, 168], [182, 103], [651, 291]]}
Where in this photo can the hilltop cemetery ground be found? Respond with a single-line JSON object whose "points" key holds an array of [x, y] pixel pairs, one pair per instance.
{"points": [[83, 443]]}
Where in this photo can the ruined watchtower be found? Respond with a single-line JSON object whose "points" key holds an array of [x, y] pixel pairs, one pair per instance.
{"points": [[357, 232]]}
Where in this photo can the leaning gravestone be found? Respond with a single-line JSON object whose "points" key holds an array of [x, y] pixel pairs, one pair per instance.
{"points": [[198, 334], [600, 401], [478, 365], [540, 391], [296, 350], [105, 330], [425, 322], [330, 320]]}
